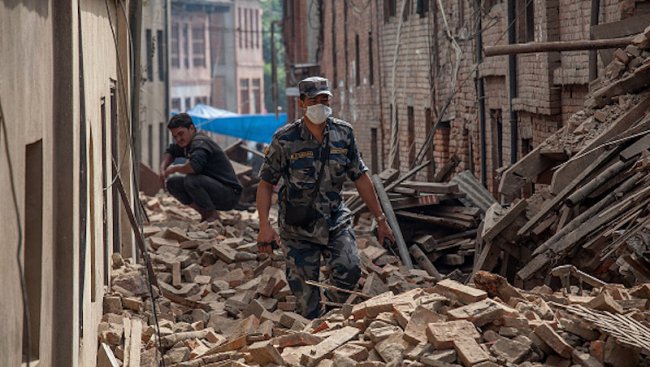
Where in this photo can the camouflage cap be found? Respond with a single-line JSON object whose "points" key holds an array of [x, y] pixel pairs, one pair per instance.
{"points": [[313, 86]]}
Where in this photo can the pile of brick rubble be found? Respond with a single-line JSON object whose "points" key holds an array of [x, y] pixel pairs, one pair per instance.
{"points": [[232, 307]]}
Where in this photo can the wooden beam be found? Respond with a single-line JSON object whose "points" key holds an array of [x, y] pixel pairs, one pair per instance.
{"points": [[550, 204], [446, 222], [424, 262], [392, 221], [555, 46], [524, 171], [136, 339], [504, 221], [431, 187]]}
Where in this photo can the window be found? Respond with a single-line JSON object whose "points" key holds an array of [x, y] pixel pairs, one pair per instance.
{"points": [[407, 10], [526, 23], [117, 244], [374, 159], [357, 63], [201, 100], [422, 7], [390, 9], [249, 27], [257, 96], [186, 47], [371, 67], [188, 103], [246, 28], [428, 126], [33, 249], [149, 55], [175, 57], [244, 102], [496, 142], [239, 26], [497, 131], [198, 45], [105, 166], [176, 105], [162, 139], [410, 114], [334, 56], [217, 40], [160, 43], [257, 28]]}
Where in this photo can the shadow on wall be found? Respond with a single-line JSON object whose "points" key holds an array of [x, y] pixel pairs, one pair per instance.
{"points": [[41, 7]]}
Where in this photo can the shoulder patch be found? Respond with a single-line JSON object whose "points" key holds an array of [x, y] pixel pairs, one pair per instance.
{"points": [[341, 122], [267, 150], [284, 130]]}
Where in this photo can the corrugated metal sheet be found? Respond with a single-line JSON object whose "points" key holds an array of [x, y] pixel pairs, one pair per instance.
{"points": [[478, 195]]}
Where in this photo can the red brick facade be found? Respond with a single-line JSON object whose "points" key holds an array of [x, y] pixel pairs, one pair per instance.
{"points": [[414, 85]]}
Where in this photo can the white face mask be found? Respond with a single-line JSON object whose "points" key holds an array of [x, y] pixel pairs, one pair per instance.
{"points": [[318, 113]]}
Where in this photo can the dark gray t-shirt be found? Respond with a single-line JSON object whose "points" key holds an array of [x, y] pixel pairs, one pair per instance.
{"points": [[207, 158]]}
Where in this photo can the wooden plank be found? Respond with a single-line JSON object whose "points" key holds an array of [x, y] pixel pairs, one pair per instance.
{"points": [[564, 218], [504, 221], [550, 204], [405, 191], [241, 169], [127, 340], [392, 221], [424, 262], [543, 226], [427, 242], [446, 169], [447, 222], [431, 187], [487, 259], [635, 149], [586, 221], [608, 173], [470, 233], [474, 212], [136, 339], [105, 357], [404, 203], [524, 171]]}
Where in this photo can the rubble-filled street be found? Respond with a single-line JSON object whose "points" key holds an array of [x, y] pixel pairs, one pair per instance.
{"points": [[232, 307], [374, 183]]}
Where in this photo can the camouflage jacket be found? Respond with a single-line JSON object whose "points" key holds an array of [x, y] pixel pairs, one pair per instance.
{"points": [[295, 156]]}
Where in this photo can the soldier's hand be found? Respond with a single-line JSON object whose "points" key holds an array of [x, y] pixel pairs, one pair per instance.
{"points": [[267, 234], [384, 232], [266, 247]]}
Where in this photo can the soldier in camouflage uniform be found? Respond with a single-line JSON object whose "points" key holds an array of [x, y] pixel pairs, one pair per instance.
{"points": [[297, 155]]}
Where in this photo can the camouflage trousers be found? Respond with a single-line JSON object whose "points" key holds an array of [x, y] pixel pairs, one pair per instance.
{"points": [[304, 261]]}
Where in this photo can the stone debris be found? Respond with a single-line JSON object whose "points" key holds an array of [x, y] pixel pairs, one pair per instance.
{"points": [[228, 313], [589, 209]]}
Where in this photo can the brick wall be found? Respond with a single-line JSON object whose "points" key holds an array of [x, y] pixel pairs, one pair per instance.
{"points": [[551, 86], [354, 85]]}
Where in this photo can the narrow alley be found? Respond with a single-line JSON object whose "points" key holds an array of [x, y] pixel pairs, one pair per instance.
{"points": [[213, 183]]}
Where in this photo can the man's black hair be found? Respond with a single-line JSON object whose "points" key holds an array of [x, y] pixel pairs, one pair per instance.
{"points": [[180, 120]]}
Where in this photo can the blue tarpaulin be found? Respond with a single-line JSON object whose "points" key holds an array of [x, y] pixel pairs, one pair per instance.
{"points": [[259, 128]]}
